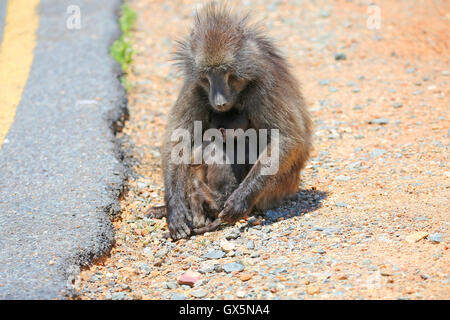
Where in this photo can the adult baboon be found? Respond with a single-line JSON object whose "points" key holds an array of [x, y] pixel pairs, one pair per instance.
{"points": [[229, 64]]}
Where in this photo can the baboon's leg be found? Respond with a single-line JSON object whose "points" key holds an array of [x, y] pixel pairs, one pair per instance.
{"points": [[201, 197], [272, 195]]}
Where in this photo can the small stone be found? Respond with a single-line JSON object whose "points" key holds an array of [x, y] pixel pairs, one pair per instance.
{"points": [[233, 234], [380, 121], [207, 267], [342, 276], [250, 245], [246, 276], [342, 178], [436, 237], [233, 267], [178, 296], [324, 82], [136, 296], [377, 152], [119, 296], [172, 285], [324, 13], [198, 293], [231, 253], [340, 56], [161, 253], [341, 204], [214, 254], [333, 89], [148, 251], [189, 278], [417, 236], [312, 290], [226, 245], [397, 105], [318, 250], [240, 293]]}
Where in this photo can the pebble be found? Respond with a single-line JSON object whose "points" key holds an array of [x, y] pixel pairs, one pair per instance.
{"points": [[119, 296], [324, 13], [240, 293], [226, 245], [377, 152], [250, 245], [214, 254], [172, 285], [436, 237], [232, 267], [380, 121], [340, 56], [397, 105], [318, 250], [161, 253], [178, 296], [233, 234], [245, 276], [312, 290], [148, 251], [342, 178], [417, 236], [198, 293], [341, 204], [333, 89], [189, 278], [207, 267]]}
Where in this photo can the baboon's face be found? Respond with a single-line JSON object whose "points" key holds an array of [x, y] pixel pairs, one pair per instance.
{"points": [[223, 88]]}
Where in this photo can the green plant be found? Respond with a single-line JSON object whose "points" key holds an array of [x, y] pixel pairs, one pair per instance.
{"points": [[122, 49]]}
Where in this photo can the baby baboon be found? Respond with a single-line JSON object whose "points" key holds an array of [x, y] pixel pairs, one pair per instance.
{"points": [[217, 181], [230, 64]]}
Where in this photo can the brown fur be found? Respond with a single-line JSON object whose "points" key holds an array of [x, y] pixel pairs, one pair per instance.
{"points": [[222, 44]]}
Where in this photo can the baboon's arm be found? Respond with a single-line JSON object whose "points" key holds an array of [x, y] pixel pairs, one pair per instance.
{"points": [[254, 186]]}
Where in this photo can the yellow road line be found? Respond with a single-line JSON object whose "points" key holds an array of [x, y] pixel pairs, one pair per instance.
{"points": [[16, 57]]}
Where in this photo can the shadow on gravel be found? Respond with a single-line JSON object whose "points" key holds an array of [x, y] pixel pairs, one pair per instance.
{"points": [[304, 201]]}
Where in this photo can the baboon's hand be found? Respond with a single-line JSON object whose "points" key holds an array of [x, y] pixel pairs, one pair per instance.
{"points": [[236, 207], [156, 212], [179, 220]]}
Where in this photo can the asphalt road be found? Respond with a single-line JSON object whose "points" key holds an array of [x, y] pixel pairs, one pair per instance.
{"points": [[60, 174]]}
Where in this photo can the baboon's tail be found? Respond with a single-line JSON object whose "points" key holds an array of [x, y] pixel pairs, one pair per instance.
{"points": [[156, 212]]}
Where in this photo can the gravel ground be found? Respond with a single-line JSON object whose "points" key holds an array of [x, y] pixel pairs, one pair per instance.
{"points": [[371, 217]]}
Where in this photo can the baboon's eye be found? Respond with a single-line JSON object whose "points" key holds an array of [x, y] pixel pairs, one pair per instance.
{"points": [[232, 79], [237, 83], [204, 81]]}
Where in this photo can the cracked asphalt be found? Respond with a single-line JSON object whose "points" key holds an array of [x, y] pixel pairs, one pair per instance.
{"points": [[60, 168]]}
